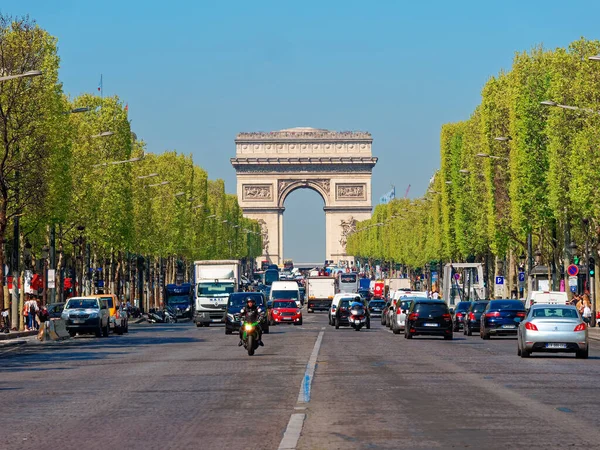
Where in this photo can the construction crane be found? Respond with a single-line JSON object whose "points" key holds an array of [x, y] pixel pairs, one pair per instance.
{"points": [[407, 190]]}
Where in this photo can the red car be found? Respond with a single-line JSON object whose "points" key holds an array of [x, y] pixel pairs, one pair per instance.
{"points": [[285, 311]]}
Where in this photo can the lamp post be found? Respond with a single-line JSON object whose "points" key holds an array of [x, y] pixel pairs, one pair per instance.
{"points": [[31, 73], [45, 254]]}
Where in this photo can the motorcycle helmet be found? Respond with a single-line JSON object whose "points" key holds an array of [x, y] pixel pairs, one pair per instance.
{"points": [[250, 302]]}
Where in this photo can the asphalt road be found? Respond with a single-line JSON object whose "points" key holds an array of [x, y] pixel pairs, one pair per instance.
{"points": [[182, 387]]}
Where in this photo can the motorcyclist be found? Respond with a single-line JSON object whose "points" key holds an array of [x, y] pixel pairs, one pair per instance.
{"points": [[251, 313]]}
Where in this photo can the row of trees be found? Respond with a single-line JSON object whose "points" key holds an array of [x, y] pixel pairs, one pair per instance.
{"points": [[522, 166], [72, 172]]}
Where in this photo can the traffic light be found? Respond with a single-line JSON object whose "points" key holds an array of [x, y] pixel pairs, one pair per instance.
{"points": [[576, 260], [591, 266]]}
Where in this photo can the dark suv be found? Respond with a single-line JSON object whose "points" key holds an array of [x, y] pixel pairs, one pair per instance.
{"points": [[501, 318], [342, 313], [473, 316], [236, 302], [459, 314], [429, 318]]}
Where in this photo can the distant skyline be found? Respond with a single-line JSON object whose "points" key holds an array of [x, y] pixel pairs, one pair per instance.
{"points": [[196, 73]]}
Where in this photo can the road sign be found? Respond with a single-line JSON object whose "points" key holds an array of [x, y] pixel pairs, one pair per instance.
{"points": [[521, 277], [572, 281], [573, 270], [499, 287]]}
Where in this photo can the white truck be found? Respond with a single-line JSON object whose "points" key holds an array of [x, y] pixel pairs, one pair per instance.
{"points": [[213, 282], [395, 284], [320, 292]]}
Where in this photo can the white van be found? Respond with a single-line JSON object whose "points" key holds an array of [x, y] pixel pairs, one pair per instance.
{"points": [[285, 290], [547, 298]]}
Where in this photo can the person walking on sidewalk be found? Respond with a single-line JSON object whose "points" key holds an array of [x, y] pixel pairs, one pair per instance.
{"points": [[5, 321], [31, 308], [587, 309]]}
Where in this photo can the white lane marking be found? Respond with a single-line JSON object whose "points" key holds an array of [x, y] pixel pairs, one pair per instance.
{"points": [[292, 432], [304, 394]]}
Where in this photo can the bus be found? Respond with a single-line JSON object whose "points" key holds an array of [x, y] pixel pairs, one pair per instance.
{"points": [[348, 282], [269, 276]]}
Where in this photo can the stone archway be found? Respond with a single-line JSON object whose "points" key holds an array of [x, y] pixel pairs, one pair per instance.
{"points": [[337, 165]]}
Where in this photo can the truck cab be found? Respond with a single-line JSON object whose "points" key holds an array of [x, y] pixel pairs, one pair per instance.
{"points": [[214, 281]]}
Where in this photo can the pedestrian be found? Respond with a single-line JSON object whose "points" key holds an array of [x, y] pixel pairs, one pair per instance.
{"points": [[587, 309], [32, 309], [5, 321], [435, 295]]}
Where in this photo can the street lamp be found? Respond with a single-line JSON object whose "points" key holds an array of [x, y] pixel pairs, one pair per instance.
{"points": [[162, 183], [45, 255], [464, 171], [103, 134], [448, 182], [31, 73], [212, 216], [486, 155], [503, 138], [141, 177], [112, 163], [572, 108]]}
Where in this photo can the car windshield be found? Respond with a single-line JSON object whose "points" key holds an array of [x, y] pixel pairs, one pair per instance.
{"points": [[405, 305], [348, 278], [239, 300], [479, 307], [208, 289], [344, 303], [284, 304], [507, 304], [178, 299], [284, 295], [431, 308], [82, 303], [568, 313]]}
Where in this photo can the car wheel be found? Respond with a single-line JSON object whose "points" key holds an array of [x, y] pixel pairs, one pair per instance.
{"points": [[583, 354], [337, 324], [72, 333], [518, 349], [525, 353], [106, 330], [98, 332], [198, 324], [469, 332], [465, 330], [449, 337], [127, 327], [369, 324], [227, 331], [396, 330], [485, 336], [207, 324], [119, 331], [382, 322]]}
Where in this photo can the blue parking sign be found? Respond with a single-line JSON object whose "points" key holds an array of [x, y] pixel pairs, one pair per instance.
{"points": [[521, 276], [499, 280]]}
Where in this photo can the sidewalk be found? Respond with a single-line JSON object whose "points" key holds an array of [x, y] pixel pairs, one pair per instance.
{"points": [[16, 334]]}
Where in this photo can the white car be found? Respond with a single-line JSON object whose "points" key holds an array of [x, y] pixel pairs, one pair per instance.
{"points": [[399, 296], [398, 319], [553, 328]]}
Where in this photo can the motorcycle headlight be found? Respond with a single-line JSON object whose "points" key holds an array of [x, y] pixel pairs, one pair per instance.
{"points": [[248, 327], [354, 312]]}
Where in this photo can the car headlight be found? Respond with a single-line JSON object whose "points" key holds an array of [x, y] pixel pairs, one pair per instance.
{"points": [[64, 315], [187, 309]]}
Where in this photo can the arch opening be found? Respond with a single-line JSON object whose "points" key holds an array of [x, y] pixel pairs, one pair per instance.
{"points": [[304, 225]]}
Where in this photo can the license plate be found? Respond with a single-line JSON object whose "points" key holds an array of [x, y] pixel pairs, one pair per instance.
{"points": [[286, 318], [78, 321], [431, 324], [509, 326], [554, 345]]}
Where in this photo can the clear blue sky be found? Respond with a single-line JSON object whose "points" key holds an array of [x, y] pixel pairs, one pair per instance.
{"points": [[195, 73]]}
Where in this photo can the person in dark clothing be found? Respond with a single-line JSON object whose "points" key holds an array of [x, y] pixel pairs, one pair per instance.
{"points": [[251, 313]]}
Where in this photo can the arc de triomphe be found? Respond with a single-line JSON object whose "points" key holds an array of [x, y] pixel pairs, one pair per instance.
{"points": [[337, 165]]}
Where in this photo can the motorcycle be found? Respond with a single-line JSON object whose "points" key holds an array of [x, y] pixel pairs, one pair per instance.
{"points": [[170, 315], [250, 336], [358, 317]]}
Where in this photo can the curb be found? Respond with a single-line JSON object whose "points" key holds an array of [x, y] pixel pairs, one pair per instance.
{"points": [[12, 343], [16, 335]]}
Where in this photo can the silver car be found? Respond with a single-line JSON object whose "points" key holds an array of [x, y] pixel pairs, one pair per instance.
{"points": [[398, 318], [553, 329]]}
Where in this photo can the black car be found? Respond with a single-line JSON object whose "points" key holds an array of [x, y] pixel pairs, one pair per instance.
{"points": [[384, 311], [342, 313], [376, 307], [473, 316], [429, 318], [459, 314], [365, 293], [501, 318], [236, 302]]}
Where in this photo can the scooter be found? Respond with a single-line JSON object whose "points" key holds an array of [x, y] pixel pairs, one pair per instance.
{"points": [[358, 317]]}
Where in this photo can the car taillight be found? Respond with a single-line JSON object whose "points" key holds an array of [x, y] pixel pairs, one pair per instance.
{"points": [[580, 327], [446, 317], [493, 314], [531, 326], [413, 316], [399, 311], [458, 314], [521, 314], [471, 316]]}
